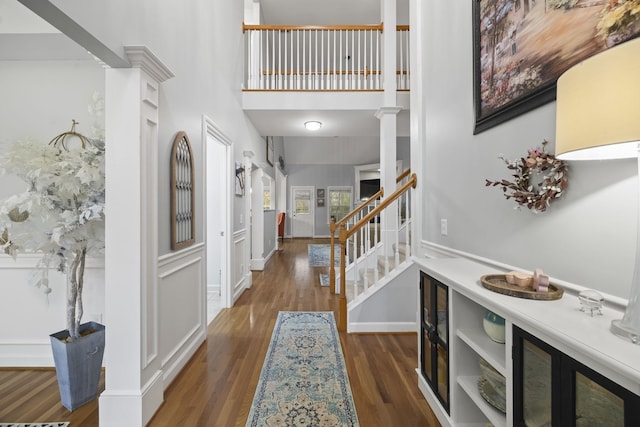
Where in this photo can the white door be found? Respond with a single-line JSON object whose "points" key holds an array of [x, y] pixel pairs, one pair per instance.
{"points": [[302, 212], [218, 217]]}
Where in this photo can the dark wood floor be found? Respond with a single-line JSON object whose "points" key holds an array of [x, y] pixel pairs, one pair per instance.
{"points": [[217, 385]]}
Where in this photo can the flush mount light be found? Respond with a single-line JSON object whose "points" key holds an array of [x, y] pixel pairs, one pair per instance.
{"points": [[312, 125]]}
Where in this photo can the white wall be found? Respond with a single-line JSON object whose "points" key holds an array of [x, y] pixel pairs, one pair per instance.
{"points": [[40, 98], [201, 42], [587, 237]]}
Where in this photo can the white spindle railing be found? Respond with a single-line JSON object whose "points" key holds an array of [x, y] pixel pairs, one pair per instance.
{"points": [[365, 258], [317, 58], [402, 53]]}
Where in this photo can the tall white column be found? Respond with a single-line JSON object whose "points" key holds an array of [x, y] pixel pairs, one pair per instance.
{"points": [[387, 115], [248, 164], [418, 141], [134, 386]]}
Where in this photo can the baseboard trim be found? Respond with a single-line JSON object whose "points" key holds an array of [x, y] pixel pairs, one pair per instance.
{"points": [[257, 264], [180, 355], [133, 408], [26, 354], [433, 401], [382, 327]]}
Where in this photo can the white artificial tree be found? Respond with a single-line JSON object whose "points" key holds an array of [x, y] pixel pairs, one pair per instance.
{"points": [[61, 213]]}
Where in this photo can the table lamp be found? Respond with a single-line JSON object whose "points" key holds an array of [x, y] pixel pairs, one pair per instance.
{"points": [[598, 117]]}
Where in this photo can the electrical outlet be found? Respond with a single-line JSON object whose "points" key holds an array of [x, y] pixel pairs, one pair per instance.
{"points": [[443, 227]]}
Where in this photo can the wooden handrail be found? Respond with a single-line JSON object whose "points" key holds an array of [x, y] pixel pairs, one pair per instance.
{"points": [[320, 72], [327, 72], [378, 27], [377, 195], [371, 27], [403, 175], [332, 231], [333, 225], [351, 214], [344, 236], [411, 183]]}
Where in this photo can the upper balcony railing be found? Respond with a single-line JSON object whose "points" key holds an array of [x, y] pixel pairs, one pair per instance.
{"points": [[321, 58]]}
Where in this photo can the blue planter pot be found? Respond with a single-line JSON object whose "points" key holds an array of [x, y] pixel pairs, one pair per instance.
{"points": [[78, 364], [494, 326]]}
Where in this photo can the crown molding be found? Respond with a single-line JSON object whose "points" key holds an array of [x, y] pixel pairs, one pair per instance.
{"points": [[387, 110], [142, 57]]}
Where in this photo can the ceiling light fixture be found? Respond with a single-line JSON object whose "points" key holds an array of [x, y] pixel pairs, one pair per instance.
{"points": [[312, 125]]}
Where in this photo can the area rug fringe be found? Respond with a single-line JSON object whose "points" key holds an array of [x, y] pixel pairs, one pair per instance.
{"points": [[304, 379], [57, 424]]}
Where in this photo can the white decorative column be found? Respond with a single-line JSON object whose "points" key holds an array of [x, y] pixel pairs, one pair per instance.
{"points": [[134, 385], [248, 165], [418, 123], [387, 115]]}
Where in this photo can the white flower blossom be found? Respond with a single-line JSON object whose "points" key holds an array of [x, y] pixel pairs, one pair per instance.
{"points": [[61, 213]]}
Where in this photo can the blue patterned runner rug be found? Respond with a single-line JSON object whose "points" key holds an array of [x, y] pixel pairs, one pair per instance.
{"points": [[304, 380], [57, 424], [320, 255]]}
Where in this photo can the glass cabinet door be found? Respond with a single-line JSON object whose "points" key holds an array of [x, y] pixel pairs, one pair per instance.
{"points": [[434, 336], [553, 389]]}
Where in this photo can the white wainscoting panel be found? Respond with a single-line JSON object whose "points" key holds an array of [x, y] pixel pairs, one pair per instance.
{"points": [[28, 316], [181, 307], [241, 274]]}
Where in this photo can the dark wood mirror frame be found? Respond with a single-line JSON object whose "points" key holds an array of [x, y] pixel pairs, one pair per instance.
{"points": [[182, 193]]}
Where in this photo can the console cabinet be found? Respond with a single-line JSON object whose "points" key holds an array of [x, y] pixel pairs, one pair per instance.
{"points": [[588, 367], [434, 337]]}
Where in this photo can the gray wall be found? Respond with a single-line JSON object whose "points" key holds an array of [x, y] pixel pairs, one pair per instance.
{"points": [[323, 176], [269, 237], [207, 81], [587, 237], [318, 176]]}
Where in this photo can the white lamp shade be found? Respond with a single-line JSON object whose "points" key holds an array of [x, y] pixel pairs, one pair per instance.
{"points": [[598, 106]]}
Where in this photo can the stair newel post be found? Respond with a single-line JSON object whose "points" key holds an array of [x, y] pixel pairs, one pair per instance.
{"points": [[342, 317], [332, 264]]}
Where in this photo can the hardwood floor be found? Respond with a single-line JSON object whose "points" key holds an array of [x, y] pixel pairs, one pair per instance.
{"points": [[216, 387]]}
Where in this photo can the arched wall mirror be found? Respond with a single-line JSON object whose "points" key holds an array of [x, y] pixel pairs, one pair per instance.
{"points": [[182, 193]]}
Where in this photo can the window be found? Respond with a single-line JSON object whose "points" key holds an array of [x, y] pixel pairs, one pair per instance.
{"points": [[266, 199], [266, 193], [339, 199]]}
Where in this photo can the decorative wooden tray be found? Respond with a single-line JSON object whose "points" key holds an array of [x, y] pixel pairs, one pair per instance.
{"points": [[498, 283]]}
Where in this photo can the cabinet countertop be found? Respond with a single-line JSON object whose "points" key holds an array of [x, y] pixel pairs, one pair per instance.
{"points": [[558, 322]]}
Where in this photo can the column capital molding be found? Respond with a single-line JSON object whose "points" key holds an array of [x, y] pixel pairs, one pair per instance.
{"points": [[248, 154], [142, 57], [387, 110]]}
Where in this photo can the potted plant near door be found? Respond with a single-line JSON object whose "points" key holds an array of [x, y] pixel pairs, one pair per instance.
{"points": [[61, 215]]}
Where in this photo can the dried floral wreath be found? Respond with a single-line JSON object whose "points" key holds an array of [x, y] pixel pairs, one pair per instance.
{"points": [[536, 196]]}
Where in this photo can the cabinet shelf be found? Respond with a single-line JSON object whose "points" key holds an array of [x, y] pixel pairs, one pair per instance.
{"points": [[587, 363], [470, 386], [491, 351]]}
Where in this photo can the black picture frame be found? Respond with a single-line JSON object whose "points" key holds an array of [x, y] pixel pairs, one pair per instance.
{"points": [[521, 47], [270, 152]]}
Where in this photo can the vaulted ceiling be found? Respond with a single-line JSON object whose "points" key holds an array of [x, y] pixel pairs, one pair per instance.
{"points": [[352, 138]]}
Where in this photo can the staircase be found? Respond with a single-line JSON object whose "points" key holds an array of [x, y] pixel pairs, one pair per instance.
{"points": [[373, 260]]}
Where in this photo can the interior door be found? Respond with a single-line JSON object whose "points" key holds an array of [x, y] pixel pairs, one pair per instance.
{"points": [[302, 211], [218, 186]]}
